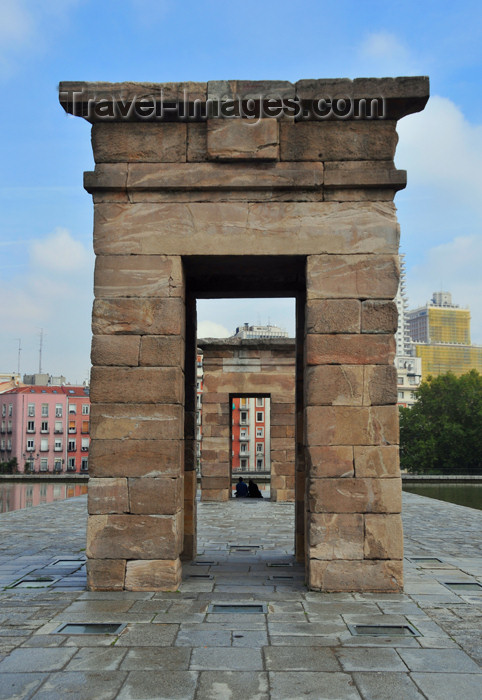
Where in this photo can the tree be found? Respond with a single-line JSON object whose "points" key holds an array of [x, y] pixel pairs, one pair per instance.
{"points": [[442, 432]]}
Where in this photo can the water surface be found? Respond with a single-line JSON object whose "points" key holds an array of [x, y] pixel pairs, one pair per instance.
{"points": [[15, 495], [469, 495]]}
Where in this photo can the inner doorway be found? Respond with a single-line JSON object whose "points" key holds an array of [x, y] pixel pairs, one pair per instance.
{"points": [[251, 441]]}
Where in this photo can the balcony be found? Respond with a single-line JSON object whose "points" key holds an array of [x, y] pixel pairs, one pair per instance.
{"points": [[59, 432]]}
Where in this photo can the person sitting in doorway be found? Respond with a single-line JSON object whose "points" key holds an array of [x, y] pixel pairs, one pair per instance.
{"points": [[241, 488], [253, 490]]}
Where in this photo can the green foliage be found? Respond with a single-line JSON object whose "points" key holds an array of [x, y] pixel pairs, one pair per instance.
{"points": [[10, 467], [442, 432]]}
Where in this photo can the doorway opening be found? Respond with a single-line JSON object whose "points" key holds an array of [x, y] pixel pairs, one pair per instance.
{"points": [[251, 441]]}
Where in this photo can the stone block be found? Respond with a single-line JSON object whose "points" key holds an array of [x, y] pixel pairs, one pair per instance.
{"points": [[242, 139], [139, 143], [330, 461], [352, 425], [136, 421], [118, 350], [216, 495], [212, 467], [138, 316], [357, 495], [354, 276], [380, 461], [153, 575], [215, 482], [362, 576], [138, 276], [105, 574], [379, 385], [134, 536], [333, 316], [150, 458], [383, 537], [379, 316], [350, 349], [161, 351], [335, 536], [155, 496], [288, 228], [364, 174], [334, 385], [137, 385], [338, 140], [107, 496], [197, 142]]}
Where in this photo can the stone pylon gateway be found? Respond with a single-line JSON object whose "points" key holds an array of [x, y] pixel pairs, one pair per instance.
{"points": [[207, 190]]}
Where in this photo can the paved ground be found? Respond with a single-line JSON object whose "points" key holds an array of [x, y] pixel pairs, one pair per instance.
{"points": [[173, 646]]}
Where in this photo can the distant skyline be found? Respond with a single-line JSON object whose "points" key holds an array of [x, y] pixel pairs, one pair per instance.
{"points": [[46, 257]]}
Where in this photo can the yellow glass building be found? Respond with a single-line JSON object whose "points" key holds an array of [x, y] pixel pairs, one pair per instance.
{"points": [[439, 359]]}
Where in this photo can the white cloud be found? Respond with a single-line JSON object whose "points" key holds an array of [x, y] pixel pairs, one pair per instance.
{"points": [[383, 53], [210, 329], [59, 251], [453, 267]]}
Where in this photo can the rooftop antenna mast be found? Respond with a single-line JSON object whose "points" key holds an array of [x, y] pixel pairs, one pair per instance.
{"points": [[40, 351], [18, 359]]}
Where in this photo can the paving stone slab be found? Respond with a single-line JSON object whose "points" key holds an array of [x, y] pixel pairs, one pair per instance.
{"points": [[142, 635], [371, 659], [312, 686], [153, 659], [380, 685], [18, 686], [249, 638], [226, 659], [447, 686], [285, 658], [233, 685], [81, 686], [439, 660], [155, 685], [203, 637], [36, 659], [95, 659]]}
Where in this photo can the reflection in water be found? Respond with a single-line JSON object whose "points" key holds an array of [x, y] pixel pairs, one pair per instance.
{"points": [[15, 495], [469, 495]]}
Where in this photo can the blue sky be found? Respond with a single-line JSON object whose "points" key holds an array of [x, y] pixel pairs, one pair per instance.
{"points": [[46, 255]]}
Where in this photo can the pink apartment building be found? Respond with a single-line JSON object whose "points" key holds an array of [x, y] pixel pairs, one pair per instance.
{"points": [[46, 428]]}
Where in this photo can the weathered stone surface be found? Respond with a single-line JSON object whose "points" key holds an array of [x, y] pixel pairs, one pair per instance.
{"points": [[197, 142], [379, 317], [334, 385], [380, 385], [155, 496], [137, 385], [338, 140], [350, 349], [215, 482], [383, 537], [106, 574], [115, 350], [153, 458], [220, 495], [244, 90], [335, 536], [354, 276], [364, 173], [141, 143], [330, 461], [138, 316], [234, 228], [133, 536], [380, 461], [333, 316], [107, 496], [136, 421], [362, 576], [138, 276], [153, 575], [161, 351], [352, 425], [242, 139], [355, 495]]}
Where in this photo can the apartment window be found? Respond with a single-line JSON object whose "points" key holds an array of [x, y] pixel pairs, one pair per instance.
{"points": [[30, 446], [259, 401], [58, 410], [30, 410], [58, 427], [72, 408], [198, 401], [3, 426], [85, 444], [45, 410], [44, 445], [72, 428], [2, 444], [244, 463], [9, 444], [242, 447], [71, 464], [10, 409], [243, 434], [30, 426], [85, 409], [400, 394], [412, 381], [243, 417], [9, 426], [259, 464], [44, 426], [412, 394], [84, 464], [259, 447], [71, 446], [85, 426], [44, 465], [57, 465], [400, 380], [259, 416], [259, 432], [58, 445], [4, 409], [243, 403]]}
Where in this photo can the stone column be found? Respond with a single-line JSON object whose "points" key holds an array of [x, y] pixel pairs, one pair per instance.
{"points": [[351, 432]]}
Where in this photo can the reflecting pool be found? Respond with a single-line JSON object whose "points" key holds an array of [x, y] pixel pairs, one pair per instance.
{"points": [[462, 494], [15, 495]]}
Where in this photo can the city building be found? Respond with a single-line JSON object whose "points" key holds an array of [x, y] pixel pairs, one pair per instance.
{"points": [[409, 376], [246, 332], [440, 332], [46, 428], [250, 446], [402, 336]]}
